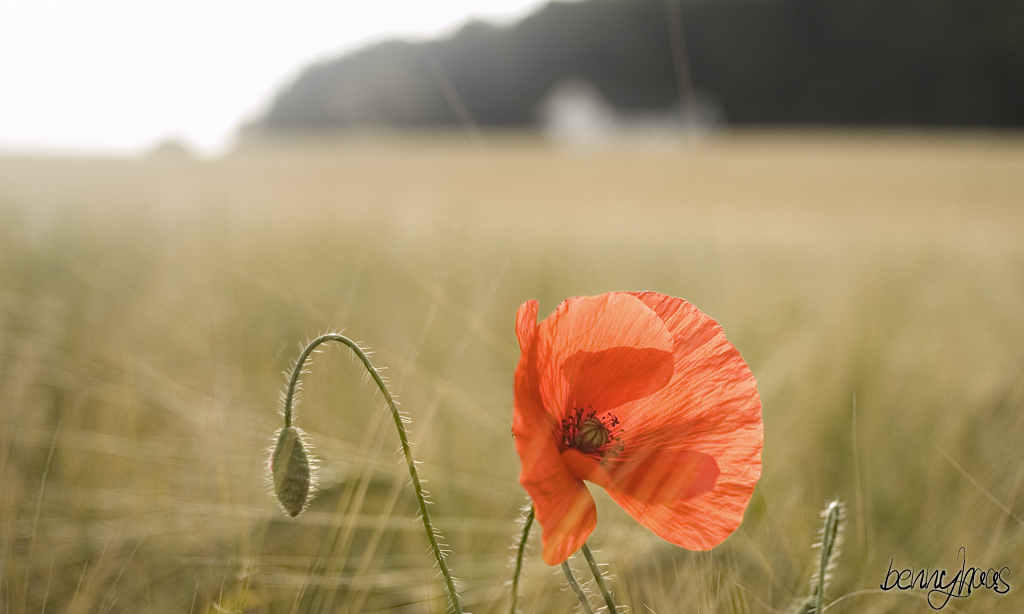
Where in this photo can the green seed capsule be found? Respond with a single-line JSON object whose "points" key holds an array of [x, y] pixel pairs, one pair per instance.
{"points": [[591, 436], [290, 466]]}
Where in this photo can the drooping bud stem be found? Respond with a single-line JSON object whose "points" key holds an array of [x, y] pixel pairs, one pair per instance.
{"points": [[290, 489]]}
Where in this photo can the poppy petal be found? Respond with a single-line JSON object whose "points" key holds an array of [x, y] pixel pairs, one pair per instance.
{"points": [[710, 407], [700, 523], [704, 521], [664, 477], [609, 378], [710, 382], [586, 467], [526, 324], [529, 414], [564, 507], [602, 351]]}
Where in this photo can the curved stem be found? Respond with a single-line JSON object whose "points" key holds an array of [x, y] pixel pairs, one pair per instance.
{"points": [[520, 554], [599, 579], [420, 497], [576, 587]]}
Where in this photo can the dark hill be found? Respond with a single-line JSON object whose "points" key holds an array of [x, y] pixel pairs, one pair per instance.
{"points": [[914, 62]]}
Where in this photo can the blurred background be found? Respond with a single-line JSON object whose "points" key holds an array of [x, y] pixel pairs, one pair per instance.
{"points": [[189, 191]]}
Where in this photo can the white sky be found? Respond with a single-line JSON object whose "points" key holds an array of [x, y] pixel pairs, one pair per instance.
{"points": [[118, 76]]}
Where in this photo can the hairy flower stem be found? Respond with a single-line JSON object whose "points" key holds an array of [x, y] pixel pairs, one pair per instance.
{"points": [[576, 587], [289, 399], [520, 555], [599, 579]]}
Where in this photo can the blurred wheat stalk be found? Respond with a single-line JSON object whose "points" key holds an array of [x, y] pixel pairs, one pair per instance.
{"points": [[147, 310]]}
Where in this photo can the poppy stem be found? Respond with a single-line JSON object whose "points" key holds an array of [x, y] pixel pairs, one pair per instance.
{"points": [[520, 555], [599, 579], [432, 534], [576, 587]]}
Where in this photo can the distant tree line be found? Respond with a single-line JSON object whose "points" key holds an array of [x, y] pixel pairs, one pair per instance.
{"points": [[883, 62]]}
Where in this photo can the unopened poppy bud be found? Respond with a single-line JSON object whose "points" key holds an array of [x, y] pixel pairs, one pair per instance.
{"points": [[291, 469]]}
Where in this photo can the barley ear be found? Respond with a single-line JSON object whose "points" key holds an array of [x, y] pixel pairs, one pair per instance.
{"points": [[833, 522]]}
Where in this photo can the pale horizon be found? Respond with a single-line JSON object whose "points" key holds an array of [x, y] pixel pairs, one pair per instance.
{"points": [[112, 77]]}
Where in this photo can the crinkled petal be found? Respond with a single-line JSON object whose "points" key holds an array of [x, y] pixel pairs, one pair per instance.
{"points": [[664, 476], [526, 325], [711, 407], [529, 416], [601, 352], [704, 521], [711, 398], [564, 507], [700, 523]]}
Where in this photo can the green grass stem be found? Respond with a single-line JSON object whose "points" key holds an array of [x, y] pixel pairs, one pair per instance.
{"points": [[599, 579], [520, 555], [571, 578]]}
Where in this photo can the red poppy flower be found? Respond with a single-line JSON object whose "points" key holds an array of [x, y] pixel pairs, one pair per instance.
{"points": [[639, 393]]}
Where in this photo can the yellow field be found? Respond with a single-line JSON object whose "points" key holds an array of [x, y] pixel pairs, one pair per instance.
{"points": [[873, 281]]}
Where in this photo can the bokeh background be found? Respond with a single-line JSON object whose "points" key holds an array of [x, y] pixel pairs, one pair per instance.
{"points": [[840, 186]]}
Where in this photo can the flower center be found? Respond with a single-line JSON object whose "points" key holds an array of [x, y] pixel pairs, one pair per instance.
{"points": [[589, 433], [591, 436]]}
